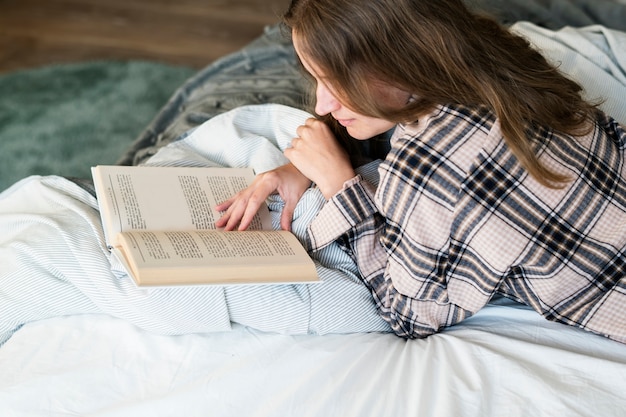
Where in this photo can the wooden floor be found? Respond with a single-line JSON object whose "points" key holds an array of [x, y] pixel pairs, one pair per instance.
{"points": [[194, 33]]}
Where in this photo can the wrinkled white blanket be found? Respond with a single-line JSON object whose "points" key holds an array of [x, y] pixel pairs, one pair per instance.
{"points": [[595, 56]]}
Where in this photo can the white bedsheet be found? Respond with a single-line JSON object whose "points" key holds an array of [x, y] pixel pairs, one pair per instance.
{"points": [[505, 361]]}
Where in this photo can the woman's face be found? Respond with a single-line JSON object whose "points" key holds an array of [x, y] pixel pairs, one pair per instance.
{"points": [[357, 125]]}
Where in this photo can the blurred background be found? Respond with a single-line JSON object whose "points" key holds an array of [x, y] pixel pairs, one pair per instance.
{"points": [[191, 33], [80, 80]]}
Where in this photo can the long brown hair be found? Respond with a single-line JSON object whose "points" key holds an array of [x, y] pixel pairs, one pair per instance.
{"points": [[443, 54]]}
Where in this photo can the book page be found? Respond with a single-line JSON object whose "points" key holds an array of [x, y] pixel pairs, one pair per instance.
{"points": [[211, 247], [168, 198], [205, 256]]}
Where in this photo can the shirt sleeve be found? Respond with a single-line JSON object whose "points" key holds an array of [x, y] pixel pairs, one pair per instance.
{"points": [[352, 219], [353, 205]]}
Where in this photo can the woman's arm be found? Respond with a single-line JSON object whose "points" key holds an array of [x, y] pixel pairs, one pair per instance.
{"points": [[352, 219]]}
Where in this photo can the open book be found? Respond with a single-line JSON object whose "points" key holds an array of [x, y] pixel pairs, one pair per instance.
{"points": [[160, 223]]}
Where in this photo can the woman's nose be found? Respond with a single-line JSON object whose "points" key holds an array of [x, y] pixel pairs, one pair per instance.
{"points": [[325, 101]]}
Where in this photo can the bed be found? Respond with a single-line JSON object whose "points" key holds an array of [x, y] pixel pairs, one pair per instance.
{"points": [[78, 339]]}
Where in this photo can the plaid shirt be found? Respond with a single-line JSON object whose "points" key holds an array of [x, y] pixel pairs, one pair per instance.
{"points": [[455, 219]]}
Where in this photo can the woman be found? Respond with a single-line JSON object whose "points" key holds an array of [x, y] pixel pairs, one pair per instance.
{"points": [[501, 179]]}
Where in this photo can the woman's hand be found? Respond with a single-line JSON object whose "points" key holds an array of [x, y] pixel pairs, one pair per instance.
{"points": [[315, 155], [241, 208], [319, 156]]}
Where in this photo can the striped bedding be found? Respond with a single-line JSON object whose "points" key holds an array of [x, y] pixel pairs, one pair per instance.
{"points": [[55, 262]]}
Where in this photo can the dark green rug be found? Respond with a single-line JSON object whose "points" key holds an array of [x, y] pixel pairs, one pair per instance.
{"points": [[63, 119]]}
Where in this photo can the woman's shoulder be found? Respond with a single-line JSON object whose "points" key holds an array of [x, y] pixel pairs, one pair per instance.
{"points": [[450, 135], [448, 122]]}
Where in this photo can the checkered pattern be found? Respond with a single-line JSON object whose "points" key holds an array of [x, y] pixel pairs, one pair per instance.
{"points": [[455, 219]]}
